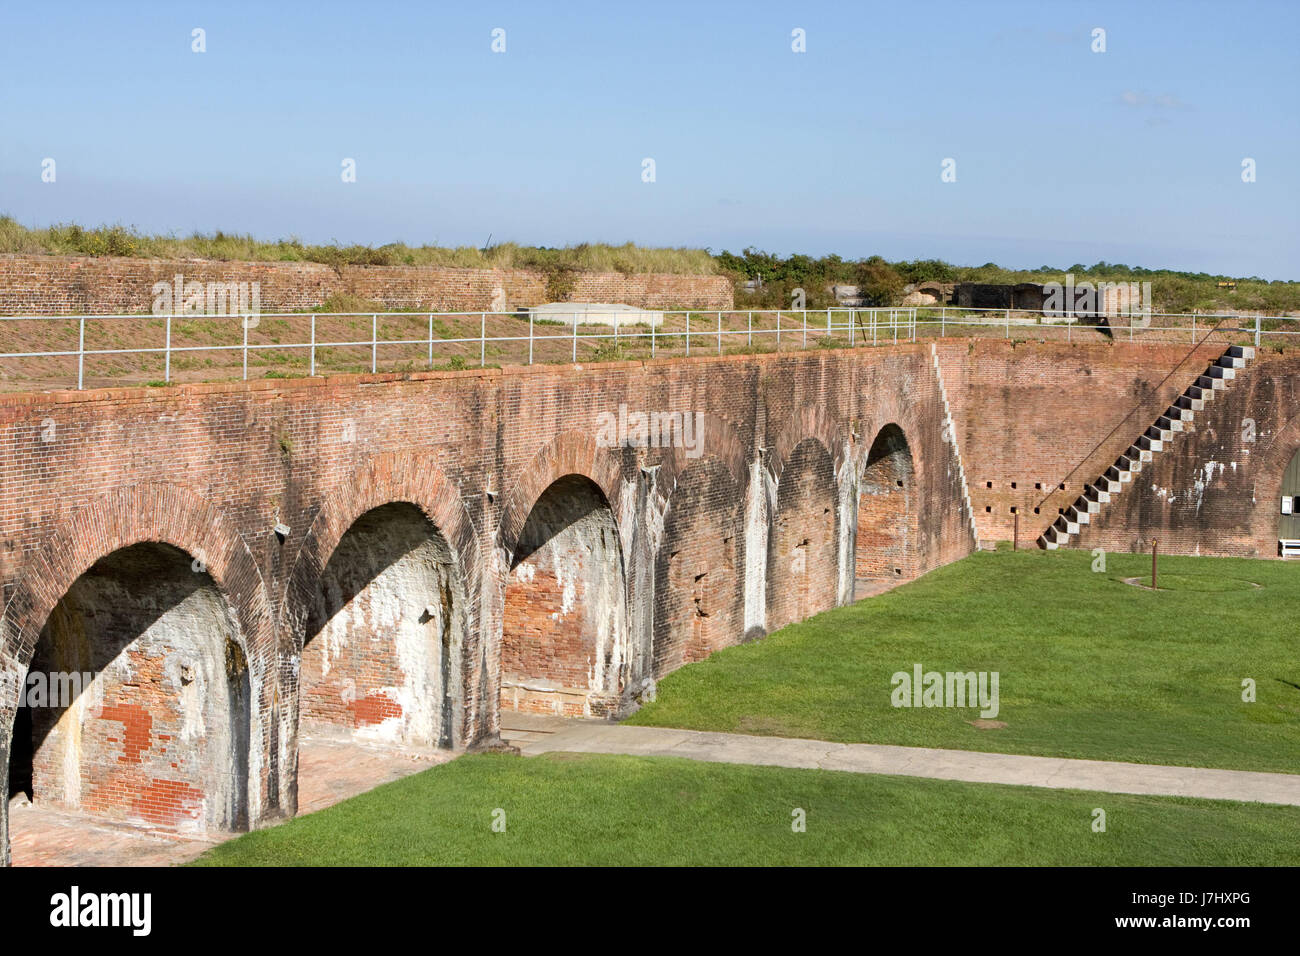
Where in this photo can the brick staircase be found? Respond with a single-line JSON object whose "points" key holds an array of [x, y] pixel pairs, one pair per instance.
{"points": [[1149, 444]]}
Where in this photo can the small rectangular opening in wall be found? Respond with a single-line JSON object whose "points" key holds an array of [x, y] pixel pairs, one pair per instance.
{"points": [[1038, 486], [1013, 509], [988, 484], [1013, 485], [988, 508]]}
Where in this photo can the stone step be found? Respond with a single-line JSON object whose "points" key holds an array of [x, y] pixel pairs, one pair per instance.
{"points": [[1181, 412], [1136, 453], [1211, 383], [1241, 351], [1169, 424]]}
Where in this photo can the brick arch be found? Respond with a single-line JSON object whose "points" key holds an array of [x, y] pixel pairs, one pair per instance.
{"points": [[888, 410], [156, 512], [1267, 485], [809, 421], [718, 439], [385, 479], [887, 528], [569, 453]]}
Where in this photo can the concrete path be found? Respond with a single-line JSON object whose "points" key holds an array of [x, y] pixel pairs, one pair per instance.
{"points": [[538, 735]]}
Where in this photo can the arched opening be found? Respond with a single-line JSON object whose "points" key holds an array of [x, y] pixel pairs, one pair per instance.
{"points": [[136, 701], [564, 627], [381, 659], [888, 523], [802, 565], [699, 601], [1288, 522]]}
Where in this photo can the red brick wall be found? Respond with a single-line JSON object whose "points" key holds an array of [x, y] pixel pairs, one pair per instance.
{"points": [[802, 568], [699, 594], [62, 285], [888, 511], [1028, 413], [1212, 490], [213, 469], [159, 737], [377, 641], [564, 605]]}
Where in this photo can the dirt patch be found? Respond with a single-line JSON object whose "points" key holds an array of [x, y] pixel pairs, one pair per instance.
{"points": [[981, 723]]}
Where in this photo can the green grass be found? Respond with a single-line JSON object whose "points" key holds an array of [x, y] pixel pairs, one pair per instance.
{"points": [[1089, 666], [607, 810]]}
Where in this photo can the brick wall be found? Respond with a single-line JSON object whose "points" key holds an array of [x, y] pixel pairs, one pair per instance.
{"points": [[1031, 416], [213, 469], [64, 285]]}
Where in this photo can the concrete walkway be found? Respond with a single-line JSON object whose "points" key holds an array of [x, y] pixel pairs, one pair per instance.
{"points": [[537, 735]]}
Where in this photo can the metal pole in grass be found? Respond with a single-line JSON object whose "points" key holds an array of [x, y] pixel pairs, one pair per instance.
{"points": [[1015, 533], [1155, 558]]}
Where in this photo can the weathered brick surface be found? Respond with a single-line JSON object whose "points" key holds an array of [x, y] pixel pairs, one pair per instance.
{"points": [[1031, 416], [212, 469], [1212, 490], [65, 285]]}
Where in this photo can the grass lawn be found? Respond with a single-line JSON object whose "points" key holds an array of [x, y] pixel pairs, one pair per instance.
{"points": [[1089, 666], [586, 809]]}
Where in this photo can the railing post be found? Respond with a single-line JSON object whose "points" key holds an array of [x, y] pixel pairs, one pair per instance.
{"points": [[311, 362], [943, 321], [81, 354], [244, 323], [530, 334], [167, 353], [853, 325], [873, 326], [688, 332], [828, 323], [749, 329], [1008, 335], [374, 343], [1193, 328], [805, 328], [430, 340], [719, 331], [575, 338], [778, 330], [1257, 329]]}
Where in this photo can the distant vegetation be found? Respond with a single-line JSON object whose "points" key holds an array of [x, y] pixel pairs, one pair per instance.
{"points": [[881, 281]]}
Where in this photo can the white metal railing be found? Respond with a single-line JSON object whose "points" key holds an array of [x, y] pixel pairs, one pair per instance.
{"points": [[851, 327]]}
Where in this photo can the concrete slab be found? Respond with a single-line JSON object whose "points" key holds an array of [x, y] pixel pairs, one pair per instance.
{"points": [[596, 313]]}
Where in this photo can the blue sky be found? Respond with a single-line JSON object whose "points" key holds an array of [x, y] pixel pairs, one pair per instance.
{"points": [[1062, 155]]}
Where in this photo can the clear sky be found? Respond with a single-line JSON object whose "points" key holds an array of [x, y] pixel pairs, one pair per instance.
{"points": [[1062, 155]]}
